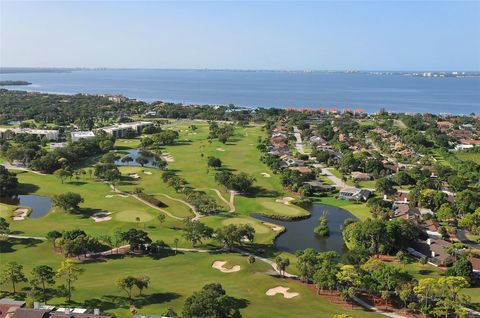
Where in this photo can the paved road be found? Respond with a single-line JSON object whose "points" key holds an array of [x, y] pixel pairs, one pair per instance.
{"points": [[12, 167], [461, 235], [298, 143], [337, 181]]}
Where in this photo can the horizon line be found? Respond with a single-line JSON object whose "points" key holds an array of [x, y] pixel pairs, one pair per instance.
{"points": [[233, 69]]}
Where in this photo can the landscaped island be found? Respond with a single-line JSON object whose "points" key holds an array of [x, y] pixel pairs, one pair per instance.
{"points": [[152, 203]]}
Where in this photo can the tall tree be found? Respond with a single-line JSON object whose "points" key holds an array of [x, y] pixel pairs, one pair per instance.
{"points": [[12, 273], [42, 275], [70, 272]]}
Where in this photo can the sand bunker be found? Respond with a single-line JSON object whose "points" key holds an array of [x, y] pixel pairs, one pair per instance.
{"points": [[134, 176], [220, 149], [281, 290], [274, 227], [109, 196], [101, 216], [285, 200], [147, 172], [167, 157], [20, 214], [219, 265], [266, 175]]}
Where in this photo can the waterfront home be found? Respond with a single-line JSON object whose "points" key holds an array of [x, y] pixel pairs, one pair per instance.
{"points": [[354, 194], [320, 186], [77, 135]]}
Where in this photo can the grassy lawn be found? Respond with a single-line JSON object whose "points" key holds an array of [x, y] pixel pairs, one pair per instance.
{"points": [[360, 210], [175, 277], [468, 156], [370, 184]]}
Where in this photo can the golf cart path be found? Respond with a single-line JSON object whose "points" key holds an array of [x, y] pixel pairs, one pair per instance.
{"points": [[12, 167], [190, 206], [153, 206], [230, 203]]}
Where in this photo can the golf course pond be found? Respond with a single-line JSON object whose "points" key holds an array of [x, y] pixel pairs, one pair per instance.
{"points": [[299, 234], [40, 205], [134, 154]]}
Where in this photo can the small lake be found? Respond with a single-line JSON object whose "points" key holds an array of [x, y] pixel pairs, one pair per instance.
{"points": [[135, 153], [40, 205], [299, 234]]}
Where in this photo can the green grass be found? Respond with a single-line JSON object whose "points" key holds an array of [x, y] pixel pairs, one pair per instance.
{"points": [[283, 209], [173, 278], [360, 210], [475, 157]]}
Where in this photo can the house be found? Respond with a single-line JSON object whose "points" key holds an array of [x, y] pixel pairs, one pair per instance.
{"points": [[475, 264], [432, 228], [433, 250], [405, 211], [8, 306], [31, 313], [355, 194], [472, 142], [118, 131], [361, 176], [425, 211], [317, 140], [397, 197], [56, 145], [444, 124], [42, 311], [304, 170], [319, 186], [291, 161], [77, 135], [7, 133]]}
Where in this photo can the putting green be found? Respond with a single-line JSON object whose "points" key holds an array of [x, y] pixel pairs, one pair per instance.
{"points": [[283, 209], [131, 216]]}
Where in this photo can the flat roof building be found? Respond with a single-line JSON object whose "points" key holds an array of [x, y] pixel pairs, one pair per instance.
{"points": [[7, 133], [77, 135], [119, 130]]}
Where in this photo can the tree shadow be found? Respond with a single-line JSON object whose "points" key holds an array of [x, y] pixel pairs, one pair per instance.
{"points": [[113, 301], [27, 188], [257, 191], [7, 246], [77, 183], [85, 213], [425, 271]]}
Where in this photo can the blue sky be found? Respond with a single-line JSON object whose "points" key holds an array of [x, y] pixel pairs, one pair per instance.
{"points": [[313, 35]]}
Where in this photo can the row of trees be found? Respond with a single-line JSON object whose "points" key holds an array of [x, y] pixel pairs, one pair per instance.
{"points": [[41, 277], [241, 182], [440, 296], [230, 235]]}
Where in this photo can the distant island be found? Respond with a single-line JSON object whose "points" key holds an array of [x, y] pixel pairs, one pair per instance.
{"points": [[14, 83]]}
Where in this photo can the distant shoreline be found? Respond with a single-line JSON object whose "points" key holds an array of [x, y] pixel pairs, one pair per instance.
{"points": [[418, 73], [14, 83]]}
